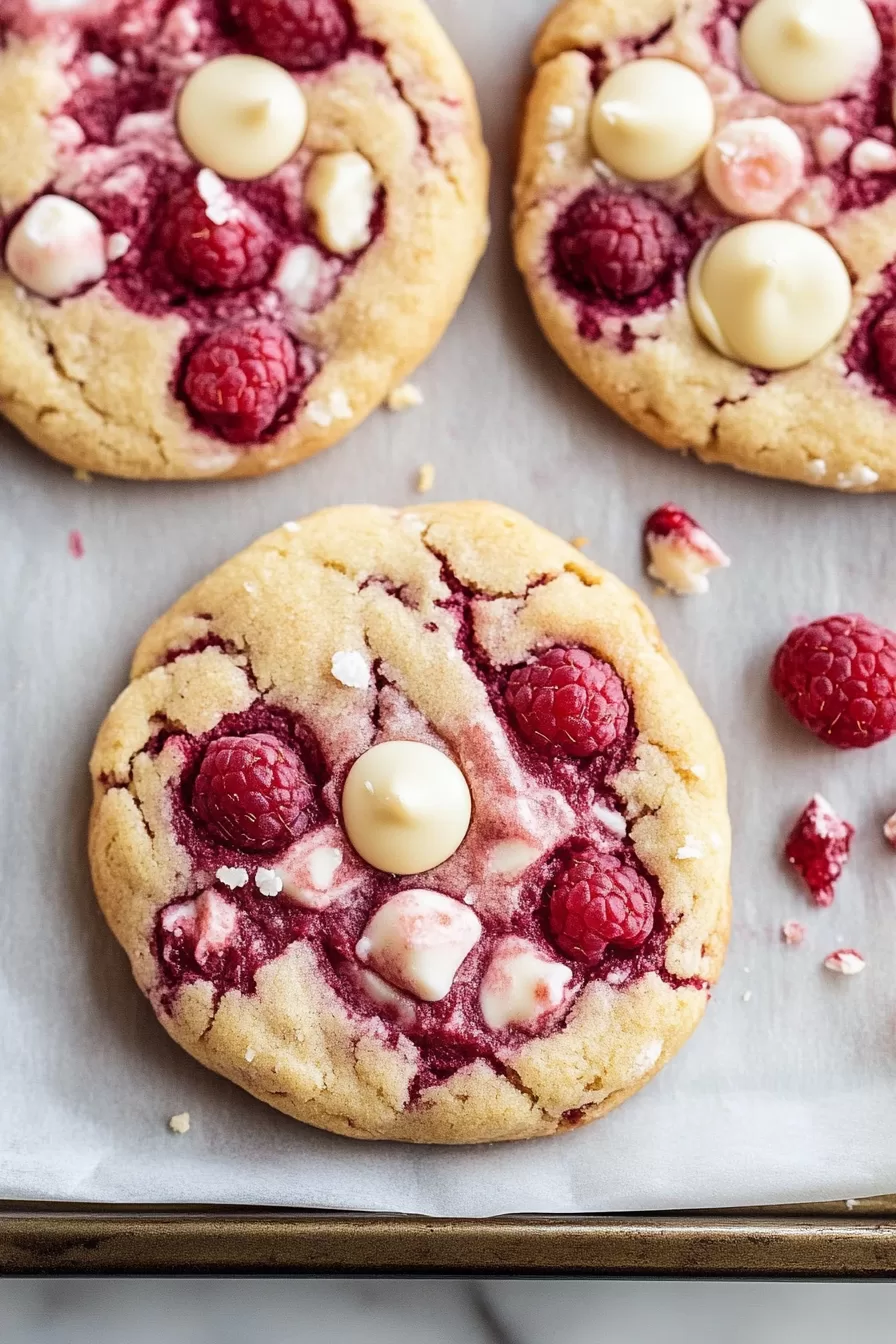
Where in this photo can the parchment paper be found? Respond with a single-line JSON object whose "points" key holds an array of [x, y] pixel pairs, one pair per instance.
{"points": [[789, 1095]]}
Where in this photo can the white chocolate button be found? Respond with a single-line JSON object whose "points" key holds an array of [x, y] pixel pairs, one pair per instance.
{"points": [[521, 985], [406, 807], [771, 294], [340, 191], [418, 941], [56, 248], [651, 119], [804, 51], [753, 166], [242, 116]]}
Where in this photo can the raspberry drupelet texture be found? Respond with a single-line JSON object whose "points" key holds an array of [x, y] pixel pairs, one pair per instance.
{"points": [[600, 900], [238, 378], [300, 34], [614, 243], [251, 792], [837, 676], [222, 245], [818, 847], [567, 702]]}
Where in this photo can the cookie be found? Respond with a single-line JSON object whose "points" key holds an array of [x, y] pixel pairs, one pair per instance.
{"points": [[411, 827], [229, 227], [705, 215]]}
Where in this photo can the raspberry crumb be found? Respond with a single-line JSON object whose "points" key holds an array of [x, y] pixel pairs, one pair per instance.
{"points": [[567, 702], [614, 243], [600, 900], [837, 676], [845, 961], [793, 932], [890, 830], [680, 553], [180, 1124], [75, 544], [818, 848]]}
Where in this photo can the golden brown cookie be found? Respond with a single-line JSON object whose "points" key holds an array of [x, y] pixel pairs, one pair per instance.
{"points": [[723, 279], [159, 321], [490, 716]]}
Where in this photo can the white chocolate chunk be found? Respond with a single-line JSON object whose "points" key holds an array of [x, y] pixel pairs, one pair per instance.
{"points": [[208, 919], [56, 248], [340, 190], [858, 475], [651, 119], [682, 560], [509, 858], [418, 940], [323, 865], [520, 985], [269, 882], [299, 275], [872, 156], [351, 668], [118, 246], [404, 397], [561, 117], [242, 116], [805, 51], [691, 849], [397, 1005], [232, 877]]}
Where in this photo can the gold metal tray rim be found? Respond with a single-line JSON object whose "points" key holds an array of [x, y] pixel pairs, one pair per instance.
{"points": [[790, 1241]]}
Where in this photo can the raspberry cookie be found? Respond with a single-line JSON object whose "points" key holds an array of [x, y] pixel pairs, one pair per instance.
{"points": [[705, 219], [228, 227], [410, 826]]}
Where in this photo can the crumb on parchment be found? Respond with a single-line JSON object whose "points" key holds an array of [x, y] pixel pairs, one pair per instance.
{"points": [[180, 1124]]}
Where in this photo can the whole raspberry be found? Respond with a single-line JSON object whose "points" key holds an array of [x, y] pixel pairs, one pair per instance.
{"points": [[568, 702], [599, 899], [239, 377], [251, 792], [215, 242], [614, 243], [300, 34], [818, 847], [884, 337], [837, 676]]}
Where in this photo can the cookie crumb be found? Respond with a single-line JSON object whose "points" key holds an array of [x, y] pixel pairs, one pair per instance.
{"points": [[269, 882], [793, 932], [579, 543], [117, 246], [318, 414], [75, 544], [180, 1124], [290, 526], [858, 475], [850, 1204], [351, 668], [845, 961], [680, 553], [426, 478], [232, 877], [697, 770], [561, 117], [250, 588], [746, 996], [83, 476], [817, 467], [249, 1055], [404, 398], [691, 849]]}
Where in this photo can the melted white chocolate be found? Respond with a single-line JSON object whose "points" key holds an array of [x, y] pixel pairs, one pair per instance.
{"points": [[651, 119], [804, 51], [770, 294]]}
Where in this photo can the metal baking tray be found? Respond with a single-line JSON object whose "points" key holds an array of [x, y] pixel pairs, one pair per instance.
{"points": [[815, 1241]]}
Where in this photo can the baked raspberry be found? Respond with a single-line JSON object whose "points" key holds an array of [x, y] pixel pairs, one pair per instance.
{"points": [[238, 378], [614, 243], [215, 242], [884, 338], [837, 676], [818, 847], [567, 702], [600, 900], [300, 34], [251, 792]]}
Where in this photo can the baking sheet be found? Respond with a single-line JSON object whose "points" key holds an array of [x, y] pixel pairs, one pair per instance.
{"points": [[786, 1095]]}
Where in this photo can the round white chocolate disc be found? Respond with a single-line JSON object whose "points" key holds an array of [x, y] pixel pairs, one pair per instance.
{"points": [[56, 248], [770, 293], [753, 166], [242, 116], [406, 807], [804, 51], [651, 119]]}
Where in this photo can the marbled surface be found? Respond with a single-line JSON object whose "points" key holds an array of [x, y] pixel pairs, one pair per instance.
{"points": [[441, 1312]]}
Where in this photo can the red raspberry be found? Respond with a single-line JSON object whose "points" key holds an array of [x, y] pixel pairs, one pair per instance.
{"points": [[217, 244], [600, 899], [884, 337], [615, 244], [238, 378], [568, 703], [300, 34], [251, 792], [838, 677], [818, 847]]}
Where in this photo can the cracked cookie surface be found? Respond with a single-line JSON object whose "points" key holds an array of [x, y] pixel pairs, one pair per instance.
{"points": [[361, 626], [829, 422], [103, 375]]}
